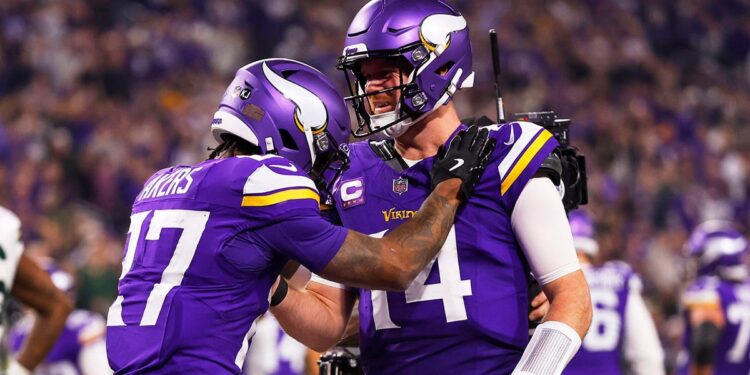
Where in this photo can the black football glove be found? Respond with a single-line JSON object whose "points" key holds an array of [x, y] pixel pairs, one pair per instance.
{"points": [[466, 157]]}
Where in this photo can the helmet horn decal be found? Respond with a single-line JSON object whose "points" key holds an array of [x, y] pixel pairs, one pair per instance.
{"points": [[435, 30], [311, 112], [718, 246], [310, 115]]}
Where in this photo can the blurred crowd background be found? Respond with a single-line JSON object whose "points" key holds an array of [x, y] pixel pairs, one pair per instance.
{"points": [[96, 95]]}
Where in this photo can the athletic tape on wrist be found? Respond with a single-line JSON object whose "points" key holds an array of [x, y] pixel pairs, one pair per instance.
{"points": [[550, 349]]}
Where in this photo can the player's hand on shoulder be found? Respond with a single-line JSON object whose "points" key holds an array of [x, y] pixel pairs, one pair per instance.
{"points": [[465, 159]]}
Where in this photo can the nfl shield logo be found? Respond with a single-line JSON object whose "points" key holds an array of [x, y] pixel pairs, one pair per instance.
{"points": [[400, 185]]}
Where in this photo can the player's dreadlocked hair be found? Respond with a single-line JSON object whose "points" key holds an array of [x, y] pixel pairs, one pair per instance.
{"points": [[232, 146]]}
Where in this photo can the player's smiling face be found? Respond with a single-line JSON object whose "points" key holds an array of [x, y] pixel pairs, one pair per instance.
{"points": [[379, 74]]}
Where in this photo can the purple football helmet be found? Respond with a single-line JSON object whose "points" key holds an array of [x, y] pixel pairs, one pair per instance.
{"points": [[583, 233], [61, 278], [430, 36], [286, 108], [719, 249]]}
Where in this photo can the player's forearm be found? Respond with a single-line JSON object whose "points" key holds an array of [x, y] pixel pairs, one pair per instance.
{"points": [[35, 289], [570, 302], [392, 262], [557, 340], [311, 318], [417, 242], [45, 331]]}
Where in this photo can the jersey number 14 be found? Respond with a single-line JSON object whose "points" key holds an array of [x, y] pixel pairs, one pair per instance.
{"points": [[451, 289]]}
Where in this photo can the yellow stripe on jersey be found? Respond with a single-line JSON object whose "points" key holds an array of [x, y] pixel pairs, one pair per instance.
{"points": [[704, 304], [280, 197], [524, 161]]}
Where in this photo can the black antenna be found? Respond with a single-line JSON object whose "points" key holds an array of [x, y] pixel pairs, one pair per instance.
{"points": [[496, 71]]}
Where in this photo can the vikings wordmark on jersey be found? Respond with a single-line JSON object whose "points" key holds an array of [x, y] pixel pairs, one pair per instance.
{"points": [[204, 247], [471, 300]]}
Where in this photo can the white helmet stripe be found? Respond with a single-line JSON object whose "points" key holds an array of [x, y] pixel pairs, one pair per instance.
{"points": [[225, 122], [435, 28]]}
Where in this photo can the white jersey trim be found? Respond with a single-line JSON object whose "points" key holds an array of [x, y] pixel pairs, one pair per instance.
{"points": [[528, 131], [264, 180]]}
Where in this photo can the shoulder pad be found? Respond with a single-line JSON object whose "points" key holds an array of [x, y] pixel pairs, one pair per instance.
{"points": [[275, 180], [552, 168], [518, 143]]}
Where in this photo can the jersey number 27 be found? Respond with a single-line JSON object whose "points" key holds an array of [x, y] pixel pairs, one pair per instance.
{"points": [[192, 223]]}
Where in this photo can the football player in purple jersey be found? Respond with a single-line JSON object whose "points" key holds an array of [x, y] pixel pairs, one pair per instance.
{"points": [[717, 303], [23, 279], [207, 242], [80, 349], [622, 338], [466, 312], [274, 352]]}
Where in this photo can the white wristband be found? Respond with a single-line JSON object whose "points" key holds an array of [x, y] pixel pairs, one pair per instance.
{"points": [[550, 349], [15, 368]]}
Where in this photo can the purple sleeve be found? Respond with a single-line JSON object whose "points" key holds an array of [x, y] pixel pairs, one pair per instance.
{"points": [[306, 238]]}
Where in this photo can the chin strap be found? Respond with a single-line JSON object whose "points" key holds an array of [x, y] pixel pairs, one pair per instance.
{"points": [[387, 152], [384, 119]]}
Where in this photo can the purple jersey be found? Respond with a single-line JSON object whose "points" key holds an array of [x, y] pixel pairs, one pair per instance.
{"points": [[731, 354], [601, 349], [81, 328], [205, 244], [465, 313]]}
